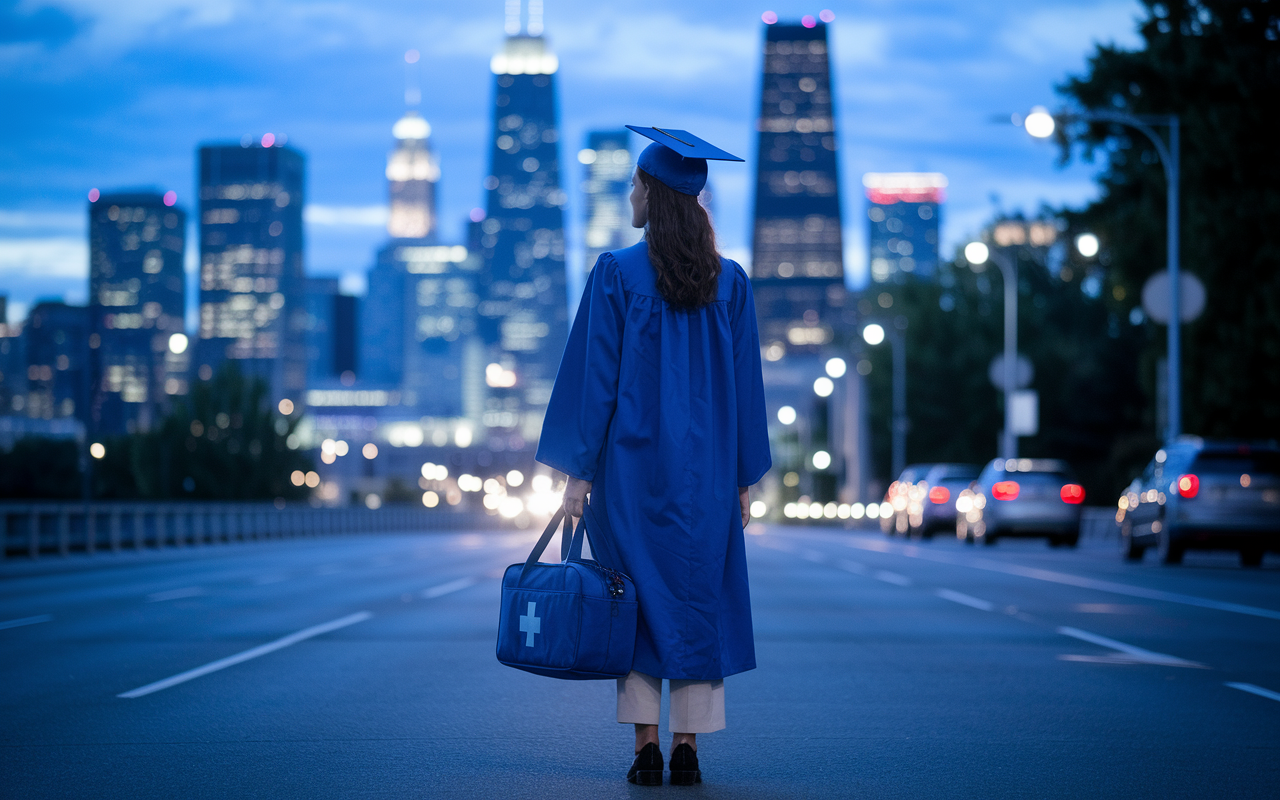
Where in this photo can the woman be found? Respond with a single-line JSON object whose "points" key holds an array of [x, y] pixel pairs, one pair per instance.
{"points": [[658, 413]]}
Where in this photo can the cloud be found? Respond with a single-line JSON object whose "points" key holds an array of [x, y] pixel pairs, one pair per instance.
{"points": [[57, 220], [46, 26], [359, 216], [55, 257], [1068, 32]]}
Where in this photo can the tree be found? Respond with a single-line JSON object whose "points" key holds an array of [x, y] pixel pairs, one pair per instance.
{"points": [[1215, 63]]}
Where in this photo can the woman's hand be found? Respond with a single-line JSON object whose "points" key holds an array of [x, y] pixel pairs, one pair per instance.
{"points": [[744, 500], [575, 492]]}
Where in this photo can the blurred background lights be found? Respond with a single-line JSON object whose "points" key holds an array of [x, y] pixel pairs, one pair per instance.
{"points": [[178, 343], [369, 451], [541, 483], [821, 459], [786, 415], [97, 450], [297, 477], [827, 15], [430, 499], [1039, 123], [170, 197], [836, 367], [823, 387], [312, 479], [976, 253], [462, 437], [94, 195], [769, 17], [1087, 245], [808, 21], [286, 406], [873, 334], [341, 448], [515, 477], [269, 139], [758, 509]]}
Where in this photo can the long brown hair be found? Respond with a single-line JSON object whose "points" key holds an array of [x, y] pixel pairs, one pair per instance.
{"points": [[682, 245]]}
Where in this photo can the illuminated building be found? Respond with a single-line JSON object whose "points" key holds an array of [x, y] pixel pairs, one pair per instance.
{"points": [[412, 172], [903, 210], [523, 313], [607, 165], [137, 289], [57, 346], [252, 304], [797, 253]]}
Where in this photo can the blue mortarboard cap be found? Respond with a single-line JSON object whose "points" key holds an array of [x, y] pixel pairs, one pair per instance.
{"points": [[678, 158]]}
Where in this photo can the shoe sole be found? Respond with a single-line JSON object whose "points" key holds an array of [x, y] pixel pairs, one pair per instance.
{"points": [[647, 777], [683, 778]]}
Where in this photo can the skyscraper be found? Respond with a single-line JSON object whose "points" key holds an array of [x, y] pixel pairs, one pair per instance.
{"points": [[523, 311], [252, 306], [137, 290], [607, 185], [903, 210], [57, 349], [412, 172], [797, 249]]}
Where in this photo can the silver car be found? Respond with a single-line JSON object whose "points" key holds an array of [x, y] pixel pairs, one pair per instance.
{"points": [[1021, 497], [924, 497], [1204, 494]]}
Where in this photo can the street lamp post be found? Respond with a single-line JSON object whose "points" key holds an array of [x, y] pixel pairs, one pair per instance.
{"points": [[1040, 123], [979, 253], [874, 334]]}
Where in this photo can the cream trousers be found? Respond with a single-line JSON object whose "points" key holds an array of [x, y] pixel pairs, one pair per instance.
{"points": [[696, 706]]}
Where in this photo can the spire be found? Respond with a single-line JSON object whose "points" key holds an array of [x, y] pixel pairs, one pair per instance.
{"points": [[520, 24], [412, 73]]}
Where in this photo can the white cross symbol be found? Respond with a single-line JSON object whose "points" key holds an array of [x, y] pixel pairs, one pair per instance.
{"points": [[530, 625]]}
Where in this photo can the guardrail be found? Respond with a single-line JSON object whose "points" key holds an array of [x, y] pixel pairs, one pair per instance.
{"points": [[35, 529]]}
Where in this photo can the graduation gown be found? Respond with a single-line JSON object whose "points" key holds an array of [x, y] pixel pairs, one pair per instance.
{"points": [[663, 411]]}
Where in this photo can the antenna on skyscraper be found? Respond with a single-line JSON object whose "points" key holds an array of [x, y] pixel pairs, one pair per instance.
{"points": [[515, 10], [535, 18], [412, 92]]}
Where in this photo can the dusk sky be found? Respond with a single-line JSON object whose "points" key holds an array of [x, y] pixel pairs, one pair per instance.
{"points": [[119, 93]]}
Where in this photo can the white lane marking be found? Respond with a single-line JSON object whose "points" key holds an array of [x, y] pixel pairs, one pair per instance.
{"points": [[854, 567], [891, 577], [813, 555], [1068, 579], [260, 650], [18, 623], [1133, 654], [1258, 690], [175, 594], [448, 588], [965, 599]]}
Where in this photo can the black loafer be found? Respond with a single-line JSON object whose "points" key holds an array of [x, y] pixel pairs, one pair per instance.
{"points": [[684, 766], [646, 770]]}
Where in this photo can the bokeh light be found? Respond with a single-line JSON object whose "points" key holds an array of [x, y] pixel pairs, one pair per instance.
{"points": [[178, 343], [873, 334], [170, 197], [823, 387], [786, 415], [97, 450], [1087, 245], [1039, 123], [769, 17], [827, 15], [836, 367], [976, 253], [269, 139], [286, 406], [94, 195]]}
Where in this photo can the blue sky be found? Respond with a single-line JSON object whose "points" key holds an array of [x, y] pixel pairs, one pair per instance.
{"points": [[118, 93]]}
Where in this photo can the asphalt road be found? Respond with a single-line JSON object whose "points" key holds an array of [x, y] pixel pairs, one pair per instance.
{"points": [[363, 667]]}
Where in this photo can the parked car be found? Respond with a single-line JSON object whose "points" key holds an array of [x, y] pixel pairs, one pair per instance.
{"points": [[1204, 494], [923, 498], [1021, 497]]}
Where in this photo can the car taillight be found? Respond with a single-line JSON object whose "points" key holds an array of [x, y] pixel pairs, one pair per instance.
{"points": [[1072, 493], [939, 495], [1188, 485], [1005, 490]]}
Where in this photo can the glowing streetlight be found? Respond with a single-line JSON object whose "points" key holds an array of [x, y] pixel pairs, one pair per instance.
{"points": [[836, 367], [823, 387], [786, 415], [1087, 245], [1039, 123], [97, 450], [976, 253], [873, 334], [821, 459]]}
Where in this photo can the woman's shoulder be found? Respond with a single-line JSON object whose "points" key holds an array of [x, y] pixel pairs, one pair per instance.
{"points": [[630, 265], [733, 281]]}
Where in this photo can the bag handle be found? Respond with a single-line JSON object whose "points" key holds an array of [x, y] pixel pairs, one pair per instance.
{"points": [[545, 539], [601, 545]]}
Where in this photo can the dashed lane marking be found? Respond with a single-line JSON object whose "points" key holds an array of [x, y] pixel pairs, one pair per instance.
{"points": [[1129, 653], [965, 599], [175, 594], [1065, 578], [891, 577], [18, 623], [854, 567], [238, 658], [814, 556], [448, 588], [1258, 690]]}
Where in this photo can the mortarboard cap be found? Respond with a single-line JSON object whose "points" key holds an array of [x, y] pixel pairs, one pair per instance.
{"points": [[678, 158]]}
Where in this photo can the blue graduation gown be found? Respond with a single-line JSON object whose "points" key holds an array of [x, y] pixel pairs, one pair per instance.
{"points": [[663, 411]]}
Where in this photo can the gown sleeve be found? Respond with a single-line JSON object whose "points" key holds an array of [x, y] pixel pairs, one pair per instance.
{"points": [[586, 388], [753, 421]]}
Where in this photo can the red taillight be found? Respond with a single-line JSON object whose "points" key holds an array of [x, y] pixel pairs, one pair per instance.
{"points": [[939, 495], [1072, 493], [1005, 490], [1188, 485]]}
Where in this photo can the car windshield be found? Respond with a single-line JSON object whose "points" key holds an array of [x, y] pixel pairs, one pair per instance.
{"points": [[1264, 462], [1037, 478], [955, 474]]}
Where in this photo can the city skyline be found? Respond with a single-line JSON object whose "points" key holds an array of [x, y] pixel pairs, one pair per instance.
{"points": [[875, 51]]}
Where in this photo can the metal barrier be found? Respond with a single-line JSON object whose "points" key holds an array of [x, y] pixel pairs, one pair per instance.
{"points": [[35, 529]]}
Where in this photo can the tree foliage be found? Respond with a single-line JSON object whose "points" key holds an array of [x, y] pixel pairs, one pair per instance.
{"points": [[1216, 64]]}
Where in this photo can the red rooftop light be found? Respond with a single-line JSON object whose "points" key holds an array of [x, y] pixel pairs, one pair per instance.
{"points": [[769, 17], [170, 197], [94, 195], [268, 139], [808, 21]]}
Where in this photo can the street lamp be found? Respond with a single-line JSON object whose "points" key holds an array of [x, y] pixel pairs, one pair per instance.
{"points": [[873, 335], [978, 253], [1087, 245], [1040, 123]]}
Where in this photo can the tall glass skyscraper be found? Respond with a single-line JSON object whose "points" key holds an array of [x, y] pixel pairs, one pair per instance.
{"points": [[903, 210], [137, 292], [252, 295], [523, 311], [797, 249], [606, 185], [412, 172]]}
